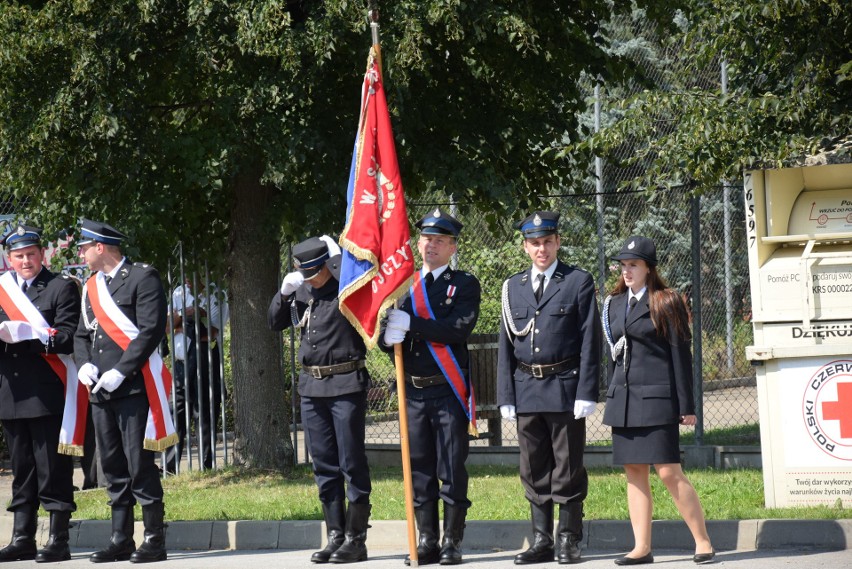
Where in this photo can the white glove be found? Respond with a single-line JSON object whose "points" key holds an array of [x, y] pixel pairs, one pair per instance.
{"points": [[399, 319], [393, 336], [110, 381], [14, 331], [333, 247], [292, 282], [508, 412], [88, 374], [583, 409]]}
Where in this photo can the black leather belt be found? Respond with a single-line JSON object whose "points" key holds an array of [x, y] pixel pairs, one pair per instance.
{"points": [[427, 381], [319, 372], [543, 370]]}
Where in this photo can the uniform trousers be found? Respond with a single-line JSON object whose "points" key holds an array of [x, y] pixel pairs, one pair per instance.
{"points": [[551, 447], [40, 473], [335, 432], [89, 463], [130, 471], [437, 431]]}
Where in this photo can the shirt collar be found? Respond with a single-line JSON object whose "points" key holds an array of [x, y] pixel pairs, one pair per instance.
{"points": [[115, 269], [548, 273], [436, 273], [638, 295], [21, 281]]}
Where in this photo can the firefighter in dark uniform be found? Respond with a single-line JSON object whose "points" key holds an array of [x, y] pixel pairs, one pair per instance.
{"points": [[32, 398], [333, 384], [118, 395], [548, 366], [438, 425]]}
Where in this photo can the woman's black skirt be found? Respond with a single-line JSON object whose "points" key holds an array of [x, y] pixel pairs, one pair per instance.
{"points": [[645, 445]]}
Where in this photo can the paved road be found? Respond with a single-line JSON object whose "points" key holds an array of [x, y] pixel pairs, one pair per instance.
{"points": [[381, 559]]}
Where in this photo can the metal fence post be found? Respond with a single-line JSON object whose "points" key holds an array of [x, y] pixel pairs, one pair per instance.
{"points": [[697, 364]]}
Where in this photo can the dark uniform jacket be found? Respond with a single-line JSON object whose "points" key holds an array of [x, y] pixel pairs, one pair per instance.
{"points": [[455, 310], [327, 338], [28, 385], [566, 327], [138, 292], [656, 389]]}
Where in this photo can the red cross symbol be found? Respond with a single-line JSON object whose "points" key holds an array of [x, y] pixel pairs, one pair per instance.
{"points": [[840, 410]]}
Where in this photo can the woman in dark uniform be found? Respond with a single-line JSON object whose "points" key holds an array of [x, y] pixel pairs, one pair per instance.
{"points": [[650, 394]]}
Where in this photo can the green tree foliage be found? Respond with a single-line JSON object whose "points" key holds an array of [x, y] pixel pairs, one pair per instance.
{"points": [[789, 93], [197, 119]]}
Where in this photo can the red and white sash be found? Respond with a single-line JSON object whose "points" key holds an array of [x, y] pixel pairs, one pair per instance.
{"points": [[20, 308], [160, 430]]}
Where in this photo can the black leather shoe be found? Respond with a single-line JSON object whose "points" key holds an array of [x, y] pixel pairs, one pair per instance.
{"points": [[702, 558], [644, 560], [426, 556], [114, 552], [541, 550], [19, 550]]}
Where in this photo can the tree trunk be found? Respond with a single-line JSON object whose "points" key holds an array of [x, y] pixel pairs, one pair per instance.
{"points": [[260, 400]]}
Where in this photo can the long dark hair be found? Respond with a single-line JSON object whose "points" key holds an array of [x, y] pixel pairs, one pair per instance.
{"points": [[668, 308]]}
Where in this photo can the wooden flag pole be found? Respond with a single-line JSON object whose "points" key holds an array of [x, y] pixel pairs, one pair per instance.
{"points": [[406, 454], [400, 378]]}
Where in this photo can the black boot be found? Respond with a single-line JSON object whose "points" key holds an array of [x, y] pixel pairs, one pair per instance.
{"points": [[541, 551], [23, 545], [154, 546], [354, 547], [569, 532], [451, 553], [335, 518], [428, 551], [121, 544], [56, 548]]}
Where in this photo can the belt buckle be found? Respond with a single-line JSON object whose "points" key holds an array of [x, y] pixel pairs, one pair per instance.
{"points": [[316, 372], [414, 381], [537, 371]]}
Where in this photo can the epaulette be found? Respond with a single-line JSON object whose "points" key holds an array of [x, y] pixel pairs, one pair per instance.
{"points": [[141, 265], [573, 268], [64, 276]]}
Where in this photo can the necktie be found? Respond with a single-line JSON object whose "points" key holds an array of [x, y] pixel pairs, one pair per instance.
{"points": [[107, 279], [24, 287], [430, 278], [540, 290], [630, 305]]}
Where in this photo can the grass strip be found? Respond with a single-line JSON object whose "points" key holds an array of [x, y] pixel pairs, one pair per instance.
{"points": [[496, 494]]}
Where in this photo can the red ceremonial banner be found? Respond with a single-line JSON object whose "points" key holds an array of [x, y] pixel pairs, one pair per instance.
{"points": [[377, 260]]}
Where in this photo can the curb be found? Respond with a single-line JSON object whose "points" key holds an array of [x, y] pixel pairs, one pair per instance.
{"points": [[501, 535]]}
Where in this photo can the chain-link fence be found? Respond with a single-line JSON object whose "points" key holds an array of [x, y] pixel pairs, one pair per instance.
{"points": [[728, 396]]}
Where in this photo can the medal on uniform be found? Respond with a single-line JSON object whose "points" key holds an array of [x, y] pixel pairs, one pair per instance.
{"points": [[451, 292]]}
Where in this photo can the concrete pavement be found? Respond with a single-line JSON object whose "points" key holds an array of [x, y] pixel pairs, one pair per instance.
{"points": [[393, 559], [599, 535]]}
